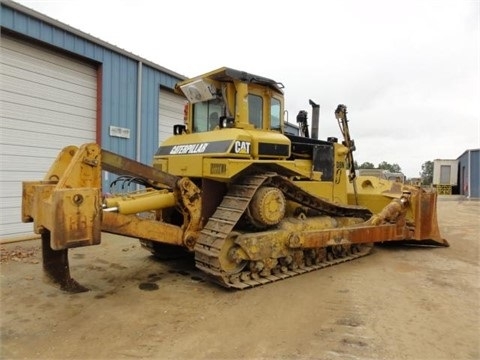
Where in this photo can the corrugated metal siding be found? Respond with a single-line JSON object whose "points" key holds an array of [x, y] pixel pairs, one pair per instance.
{"points": [[469, 180], [151, 82], [47, 99], [475, 173], [119, 102]]}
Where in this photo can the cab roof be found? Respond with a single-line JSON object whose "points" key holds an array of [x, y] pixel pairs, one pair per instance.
{"points": [[225, 74]]}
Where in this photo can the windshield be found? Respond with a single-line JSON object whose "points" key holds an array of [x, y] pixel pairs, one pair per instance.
{"points": [[206, 114]]}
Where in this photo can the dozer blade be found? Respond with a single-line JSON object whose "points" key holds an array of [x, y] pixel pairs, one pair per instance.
{"points": [[421, 217], [427, 231], [55, 265], [421, 225]]}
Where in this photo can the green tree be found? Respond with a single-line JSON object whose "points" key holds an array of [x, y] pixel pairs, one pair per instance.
{"points": [[427, 173], [394, 168], [390, 167], [366, 165]]}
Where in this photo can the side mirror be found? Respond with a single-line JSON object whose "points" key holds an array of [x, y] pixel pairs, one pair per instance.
{"points": [[226, 122], [179, 129]]}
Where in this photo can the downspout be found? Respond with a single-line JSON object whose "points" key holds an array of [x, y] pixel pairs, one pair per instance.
{"points": [[139, 112]]}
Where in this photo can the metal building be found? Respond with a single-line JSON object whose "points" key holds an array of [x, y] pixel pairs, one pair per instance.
{"points": [[469, 173], [60, 86], [445, 175]]}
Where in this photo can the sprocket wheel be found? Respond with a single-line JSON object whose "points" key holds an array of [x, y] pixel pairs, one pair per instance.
{"points": [[267, 207]]}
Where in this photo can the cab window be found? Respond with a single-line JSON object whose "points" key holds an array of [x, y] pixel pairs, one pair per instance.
{"points": [[275, 112], [255, 110], [206, 115]]}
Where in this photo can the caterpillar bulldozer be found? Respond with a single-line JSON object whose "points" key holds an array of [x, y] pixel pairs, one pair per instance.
{"points": [[253, 203]]}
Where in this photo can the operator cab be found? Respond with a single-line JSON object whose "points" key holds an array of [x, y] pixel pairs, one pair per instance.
{"points": [[228, 98]]}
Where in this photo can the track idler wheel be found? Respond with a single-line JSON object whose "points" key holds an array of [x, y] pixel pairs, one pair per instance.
{"points": [[231, 257]]}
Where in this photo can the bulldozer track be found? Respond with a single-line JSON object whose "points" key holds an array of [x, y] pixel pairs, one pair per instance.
{"points": [[221, 224]]}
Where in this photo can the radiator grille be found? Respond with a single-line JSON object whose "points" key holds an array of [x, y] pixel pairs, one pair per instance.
{"points": [[218, 169]]}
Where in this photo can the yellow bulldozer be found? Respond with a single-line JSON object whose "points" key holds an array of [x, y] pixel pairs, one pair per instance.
{"points": [[253, 203]]}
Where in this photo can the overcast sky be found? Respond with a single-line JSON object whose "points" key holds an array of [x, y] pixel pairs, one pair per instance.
{"points": [[408, 71]]}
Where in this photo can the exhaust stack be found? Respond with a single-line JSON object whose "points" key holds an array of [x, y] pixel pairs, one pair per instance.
{"points": [[315, 118]]}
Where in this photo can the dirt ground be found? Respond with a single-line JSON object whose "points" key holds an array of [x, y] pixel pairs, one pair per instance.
{"points": [[397, 303]]}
